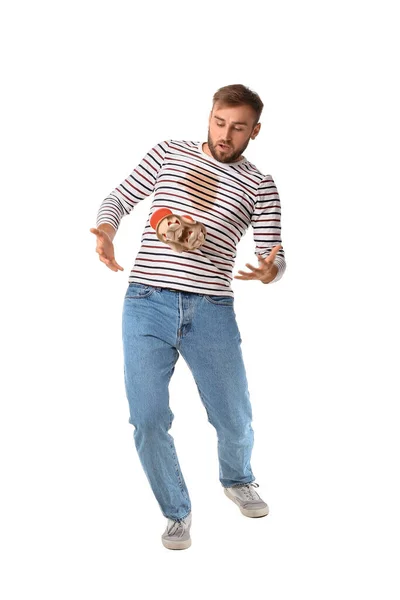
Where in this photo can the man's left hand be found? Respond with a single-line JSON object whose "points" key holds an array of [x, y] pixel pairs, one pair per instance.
{"points": [[266, 271]]}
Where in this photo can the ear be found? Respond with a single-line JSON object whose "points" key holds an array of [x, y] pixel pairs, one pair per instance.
{"points": [[256, 131]]}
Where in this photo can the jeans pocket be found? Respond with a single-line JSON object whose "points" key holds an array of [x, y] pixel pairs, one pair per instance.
{"points": [[221, 300], [139, 290]]}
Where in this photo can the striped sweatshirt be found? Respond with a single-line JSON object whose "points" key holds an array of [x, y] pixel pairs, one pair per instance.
{"points": [[225, 197]]}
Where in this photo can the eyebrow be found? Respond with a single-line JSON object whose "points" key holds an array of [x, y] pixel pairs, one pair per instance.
{"points": [[233, 122]]}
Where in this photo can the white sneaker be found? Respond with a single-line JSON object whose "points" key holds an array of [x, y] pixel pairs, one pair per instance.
{"points": [[249, 502], [177, 534]]}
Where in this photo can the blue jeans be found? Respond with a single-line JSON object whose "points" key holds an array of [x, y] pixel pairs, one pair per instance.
{"points": [[158, 324]]}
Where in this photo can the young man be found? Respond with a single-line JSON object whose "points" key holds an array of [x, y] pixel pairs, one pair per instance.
{"points": [[181, 302]]}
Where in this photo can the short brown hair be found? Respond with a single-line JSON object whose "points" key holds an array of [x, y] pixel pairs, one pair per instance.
{"points": [[237, 95]]}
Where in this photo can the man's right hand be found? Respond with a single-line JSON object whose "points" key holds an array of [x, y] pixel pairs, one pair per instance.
{"points": [[105, 249]]}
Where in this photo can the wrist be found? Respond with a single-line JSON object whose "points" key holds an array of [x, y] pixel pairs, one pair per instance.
{"points": [[108, 230]]}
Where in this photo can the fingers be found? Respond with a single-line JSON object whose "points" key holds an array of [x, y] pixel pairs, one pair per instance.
{"points": [[255, 273], [249, 266], [264, 264], [245, 276], [101, 239], [276, 249], [111, 264], [116, 267], [97, 231], [100, 234], [272, 254]]}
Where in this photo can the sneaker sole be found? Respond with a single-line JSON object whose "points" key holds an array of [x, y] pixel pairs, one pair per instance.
{"points": [[176, 545], [255, 513]]}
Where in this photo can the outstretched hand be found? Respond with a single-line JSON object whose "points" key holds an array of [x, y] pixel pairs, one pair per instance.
{"points": [[105, 249], [266, 270]]}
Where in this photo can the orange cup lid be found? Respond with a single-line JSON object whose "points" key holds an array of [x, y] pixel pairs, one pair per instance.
{"points": [[158, 215]]}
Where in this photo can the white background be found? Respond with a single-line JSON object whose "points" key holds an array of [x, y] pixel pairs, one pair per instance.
{"points": [[89, 88]]}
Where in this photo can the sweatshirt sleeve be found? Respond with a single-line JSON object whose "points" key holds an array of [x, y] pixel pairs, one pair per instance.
{"points": [[266, 223], [138, 185]]}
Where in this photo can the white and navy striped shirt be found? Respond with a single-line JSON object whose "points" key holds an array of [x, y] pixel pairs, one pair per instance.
{"points": [[225, 197]]}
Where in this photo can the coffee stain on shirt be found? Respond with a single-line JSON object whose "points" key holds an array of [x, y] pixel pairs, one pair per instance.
{"points": [[201, 187]]}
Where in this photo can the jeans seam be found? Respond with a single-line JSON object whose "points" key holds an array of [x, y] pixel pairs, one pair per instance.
{"points": [[146, 295], [218, 303], [175, 458]]}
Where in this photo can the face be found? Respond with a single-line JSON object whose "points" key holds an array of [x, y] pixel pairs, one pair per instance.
{"points": [[230, 128]]}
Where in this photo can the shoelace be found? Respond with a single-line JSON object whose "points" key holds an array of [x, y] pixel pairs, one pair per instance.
{"points": [[248, 492], [174, 529]]}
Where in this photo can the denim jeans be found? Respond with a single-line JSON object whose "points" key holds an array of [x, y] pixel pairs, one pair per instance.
{"points": [[159, 324]]}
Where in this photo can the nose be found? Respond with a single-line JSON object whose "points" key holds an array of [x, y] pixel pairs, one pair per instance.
{"points": [[226, 135]]}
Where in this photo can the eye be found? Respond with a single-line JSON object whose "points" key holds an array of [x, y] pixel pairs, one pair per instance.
{"points": [[235, 128]]}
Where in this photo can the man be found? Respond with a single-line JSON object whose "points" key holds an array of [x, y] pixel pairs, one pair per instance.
{"points": [[181, 302]]}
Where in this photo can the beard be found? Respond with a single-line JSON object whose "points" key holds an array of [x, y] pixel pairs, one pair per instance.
{"points": [[229, 155]]}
